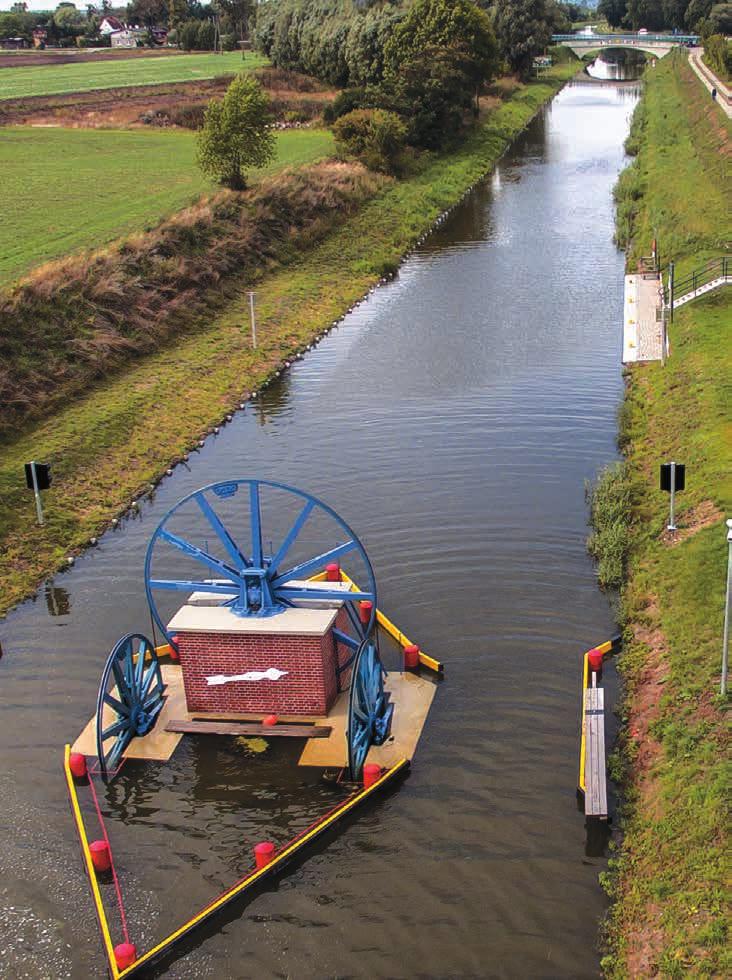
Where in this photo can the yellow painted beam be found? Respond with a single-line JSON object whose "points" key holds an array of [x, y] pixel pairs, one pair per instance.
{"points": [[604, 648], [91, 873], [251, 879]]}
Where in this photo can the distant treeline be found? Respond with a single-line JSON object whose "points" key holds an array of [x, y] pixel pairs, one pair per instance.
{"points": [[698, 16], [339, 41]]}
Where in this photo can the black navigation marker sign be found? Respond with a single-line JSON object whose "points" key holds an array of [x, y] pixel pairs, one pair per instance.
{"points": [[673, 479], [37, 478]]}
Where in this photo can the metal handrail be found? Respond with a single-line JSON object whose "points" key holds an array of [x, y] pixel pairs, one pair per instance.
{"points": [[713, 269]]}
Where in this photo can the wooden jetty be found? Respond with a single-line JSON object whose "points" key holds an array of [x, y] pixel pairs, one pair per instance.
{"points": [[592, 782]]}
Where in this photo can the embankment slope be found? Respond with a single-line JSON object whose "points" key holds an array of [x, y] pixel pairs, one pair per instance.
{"points": [[670, 911]]}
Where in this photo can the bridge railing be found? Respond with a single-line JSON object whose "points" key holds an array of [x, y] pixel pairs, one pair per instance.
{"points": [[626, 38]]}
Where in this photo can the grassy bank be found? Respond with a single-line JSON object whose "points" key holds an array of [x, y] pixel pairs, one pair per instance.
{"points": [[41, 79], [71, 189], [125, 432], [670, 911]]}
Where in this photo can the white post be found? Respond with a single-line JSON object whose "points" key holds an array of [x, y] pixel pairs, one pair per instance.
{"points": [[671, 525], [725, 641], [251, 317], [36, 492]]}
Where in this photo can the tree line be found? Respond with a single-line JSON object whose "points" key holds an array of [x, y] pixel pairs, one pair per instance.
{"points": [[703, 17]]}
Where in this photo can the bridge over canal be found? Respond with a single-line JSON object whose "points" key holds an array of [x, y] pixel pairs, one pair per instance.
{"points": [[655, 44]]}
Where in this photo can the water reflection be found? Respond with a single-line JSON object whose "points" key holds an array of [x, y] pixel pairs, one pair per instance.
{"points": [[618, 65]]}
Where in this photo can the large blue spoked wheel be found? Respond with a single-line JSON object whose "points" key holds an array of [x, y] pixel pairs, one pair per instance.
{"points": [[369, 709], [130, 697], [234, 540]]}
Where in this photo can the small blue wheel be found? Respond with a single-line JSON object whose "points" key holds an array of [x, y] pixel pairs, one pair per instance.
{"points": [[369, 710], [131, 692]]}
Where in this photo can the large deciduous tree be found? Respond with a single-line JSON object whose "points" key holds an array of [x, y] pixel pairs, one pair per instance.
{"points": [[524, 31], [613, 11], [235, 134]]}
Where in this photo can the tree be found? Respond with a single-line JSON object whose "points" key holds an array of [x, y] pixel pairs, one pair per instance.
{"points": [[456, 24], [235, 133], [177, 12], [523, 30], [68, 19], [151, 13], [697, 12], [239, 12], [645, 13], [613, 11]]}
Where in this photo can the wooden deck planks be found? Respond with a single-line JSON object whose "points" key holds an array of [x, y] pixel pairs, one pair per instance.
{"points": [[595, 771], [198, 727]]}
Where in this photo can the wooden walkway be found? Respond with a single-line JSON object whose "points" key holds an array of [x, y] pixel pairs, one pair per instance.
{"points": [[595, 776]]}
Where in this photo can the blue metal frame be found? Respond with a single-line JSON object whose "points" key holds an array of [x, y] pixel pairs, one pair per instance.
{"points": [[369, 709], [132, 669], [257, 583]]}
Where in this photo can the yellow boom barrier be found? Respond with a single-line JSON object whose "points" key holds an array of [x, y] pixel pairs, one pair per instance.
{"points": [[387, 625], [610, 646]]}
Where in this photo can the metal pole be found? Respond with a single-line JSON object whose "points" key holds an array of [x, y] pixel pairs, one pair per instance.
{"points": [[671, 288], [36, 492], [251, 316], [671, 525], [725, 641]]}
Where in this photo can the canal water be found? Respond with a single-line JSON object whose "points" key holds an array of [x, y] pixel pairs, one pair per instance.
{"points": [[453, 420]]}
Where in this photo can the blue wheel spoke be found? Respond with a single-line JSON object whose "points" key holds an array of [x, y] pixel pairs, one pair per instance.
{"points": [[121, 725], [303, 592], [122, 686], [199, 555], [306, 568], [118, 706], [290, 538], [147, 681], [220, 530], [188, 585], [255, 516], [140, 665]]}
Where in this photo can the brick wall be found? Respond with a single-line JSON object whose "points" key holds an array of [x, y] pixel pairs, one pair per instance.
{"points": [[309, 687]]}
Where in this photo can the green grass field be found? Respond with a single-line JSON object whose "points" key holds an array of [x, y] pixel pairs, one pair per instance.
{"points": [[71, 189], [18, 83], [670, 917]]}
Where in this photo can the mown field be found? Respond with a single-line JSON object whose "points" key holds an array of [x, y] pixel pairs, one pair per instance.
{"points": [[17, 83], [71, 189]]}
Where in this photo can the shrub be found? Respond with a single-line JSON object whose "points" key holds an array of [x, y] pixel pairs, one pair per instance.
{"points": [[188, 35], [375, 136], [190, 115], [229, 42], [718, 55], [236, 134], [610, 507], [206, 36], [346, 101]]}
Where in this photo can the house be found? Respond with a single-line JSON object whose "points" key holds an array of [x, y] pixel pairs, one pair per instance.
{"points": [[110, 24], [13, 43], [128, 37], [40, 37]]}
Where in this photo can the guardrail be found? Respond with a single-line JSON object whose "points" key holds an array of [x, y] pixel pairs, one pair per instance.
{"points": [[658, 38], [714, 269]]}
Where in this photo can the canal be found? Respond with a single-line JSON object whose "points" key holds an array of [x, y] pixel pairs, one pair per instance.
{"points": [[452, 419]]}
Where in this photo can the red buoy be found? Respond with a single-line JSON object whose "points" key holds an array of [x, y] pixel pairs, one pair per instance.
{"points": [[411, 655], [173, 649], [77, 765], [101, 858], [364, 611], [270, 720], [125, 955], [263, 853], [333, 572], [371, 774], [594, 658]]}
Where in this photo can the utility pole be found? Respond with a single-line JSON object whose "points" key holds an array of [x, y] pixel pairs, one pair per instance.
{"points": [[253, 320]]}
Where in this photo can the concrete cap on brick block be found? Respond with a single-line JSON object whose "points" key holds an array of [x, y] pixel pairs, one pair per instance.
{"points": [[220, 619], [206, 599]]}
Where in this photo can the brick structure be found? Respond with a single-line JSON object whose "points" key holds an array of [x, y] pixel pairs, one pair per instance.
{"points": [[214, 641]]}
